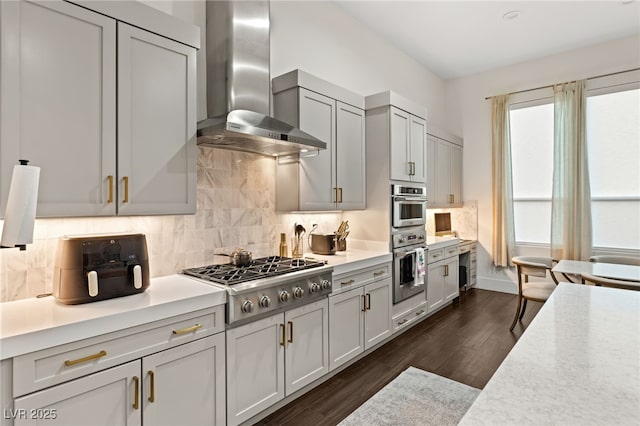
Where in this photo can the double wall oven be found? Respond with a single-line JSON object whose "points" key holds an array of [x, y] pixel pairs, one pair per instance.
{"points": [[408, 240]]}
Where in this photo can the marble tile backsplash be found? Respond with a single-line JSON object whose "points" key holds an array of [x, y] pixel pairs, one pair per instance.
{"points": [[464, 220], [235, 207]]}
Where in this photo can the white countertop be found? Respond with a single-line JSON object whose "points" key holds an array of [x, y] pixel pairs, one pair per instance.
{"points": [[32, 324], [577, 363], [353, 259], [434, 243]]}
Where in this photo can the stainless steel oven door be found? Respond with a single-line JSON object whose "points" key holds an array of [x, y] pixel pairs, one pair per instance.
{"points": [[406, 281], [408, 211]]}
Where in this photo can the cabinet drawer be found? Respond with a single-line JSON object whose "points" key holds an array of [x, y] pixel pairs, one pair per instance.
{"points": [[48, 367], [409, 317], [451, 251], [361, 277], [435, 255]]}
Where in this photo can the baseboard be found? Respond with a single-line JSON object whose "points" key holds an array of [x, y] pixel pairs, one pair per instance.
{"points": [[503, 286]]}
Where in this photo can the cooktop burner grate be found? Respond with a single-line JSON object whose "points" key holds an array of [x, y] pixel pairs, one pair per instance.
{"points": [[264, 267]]}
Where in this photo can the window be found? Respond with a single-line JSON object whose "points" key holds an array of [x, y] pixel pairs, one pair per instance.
{"points": [[613, 140]]}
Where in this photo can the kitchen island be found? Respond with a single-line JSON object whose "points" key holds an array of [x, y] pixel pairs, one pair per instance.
{"points": [[578, 363]]}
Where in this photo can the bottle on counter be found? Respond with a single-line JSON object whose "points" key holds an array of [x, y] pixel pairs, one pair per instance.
{"points": [[284, 250]]}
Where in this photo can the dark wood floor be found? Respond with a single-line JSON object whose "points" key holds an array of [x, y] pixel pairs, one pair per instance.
{"points": [[466, 342]]}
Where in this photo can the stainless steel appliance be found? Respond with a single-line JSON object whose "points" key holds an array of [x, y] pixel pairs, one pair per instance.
{"points": [[239, 86], [267, 285], [408, 206], [99, 267], [409, 263], [323, 243]]}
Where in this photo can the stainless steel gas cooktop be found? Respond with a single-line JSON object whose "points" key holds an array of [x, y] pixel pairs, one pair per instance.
{"points": [[264, 267], [267, 285]]}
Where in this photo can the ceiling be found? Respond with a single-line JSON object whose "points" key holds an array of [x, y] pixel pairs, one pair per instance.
{"points": [[455, 39]]}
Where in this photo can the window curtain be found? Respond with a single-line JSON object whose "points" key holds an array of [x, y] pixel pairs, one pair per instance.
{"points": [[571, 233], [504, 241]]}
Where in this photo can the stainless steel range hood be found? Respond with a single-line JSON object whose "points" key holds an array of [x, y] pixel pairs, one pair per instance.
{"points": [[238, 84]]}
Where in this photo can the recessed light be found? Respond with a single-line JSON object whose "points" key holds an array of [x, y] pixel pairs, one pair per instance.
{"points": [[512, 14]]}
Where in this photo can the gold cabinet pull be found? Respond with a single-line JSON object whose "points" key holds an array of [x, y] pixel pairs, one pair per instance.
{"points": [[368, 301], [152, 386], [446, 270], [413, 168], [71, 362], [110, 199], [283, 331], [125, 199], [340, 192], [364, 303], [335, 194], [343, 283], [187, 330], [136, 392], [290, 340], [452, 198], [377, 274]]}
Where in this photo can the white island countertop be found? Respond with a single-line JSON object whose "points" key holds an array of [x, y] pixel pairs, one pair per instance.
{"points": [[577, 363], [32, 324]]}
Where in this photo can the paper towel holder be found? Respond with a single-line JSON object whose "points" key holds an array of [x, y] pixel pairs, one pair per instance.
{"points": [[21, 247]]}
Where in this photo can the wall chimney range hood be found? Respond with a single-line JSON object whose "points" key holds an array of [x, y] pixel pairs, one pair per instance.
{"points": [[239, 84]]}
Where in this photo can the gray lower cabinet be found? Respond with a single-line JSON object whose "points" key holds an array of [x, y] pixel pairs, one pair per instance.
{"points": [[359, 314], [161, 373], [68, 74]]}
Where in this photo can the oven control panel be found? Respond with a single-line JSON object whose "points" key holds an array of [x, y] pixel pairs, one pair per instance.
{"points": [[408, 238]]}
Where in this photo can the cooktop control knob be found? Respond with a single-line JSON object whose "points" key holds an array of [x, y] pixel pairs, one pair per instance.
{"points": [[326, 284], [284, 296], [264, 302], [298, 292], [247, 306], [314, 287]]}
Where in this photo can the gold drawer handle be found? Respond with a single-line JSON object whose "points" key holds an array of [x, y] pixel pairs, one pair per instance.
{"points": [[136, 398], [348, 282], [71, 362], [420, 312], [152, 386], [110, 199], [377, 274], [125, 199], [187, 330], [403, 321]]}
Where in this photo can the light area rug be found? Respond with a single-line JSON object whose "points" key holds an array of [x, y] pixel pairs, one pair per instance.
{"points": [[415, 397]]}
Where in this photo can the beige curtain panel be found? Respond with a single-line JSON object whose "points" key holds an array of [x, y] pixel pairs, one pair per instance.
{"points": [[503, 247], [571, 233]]}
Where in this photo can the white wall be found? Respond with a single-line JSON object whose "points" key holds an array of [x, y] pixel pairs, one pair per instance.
{"points": [[469, 115]]}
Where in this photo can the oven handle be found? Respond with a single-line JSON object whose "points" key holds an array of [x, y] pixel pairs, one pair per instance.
{"points": [[412, 199], [403, 254]]}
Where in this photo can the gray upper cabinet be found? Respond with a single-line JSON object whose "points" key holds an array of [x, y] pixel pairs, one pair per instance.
{"points": [[71, 102], [444, 155], [58, 104], [334, 178], [156, 124], [399, 129]]}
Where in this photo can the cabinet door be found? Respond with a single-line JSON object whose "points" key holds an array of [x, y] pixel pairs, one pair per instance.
{"points": [[435, 285], [307, 354], [450, 280], [378, 315], [57, 108], [455, 174], [104, 398], [431, 179], [317, 173], [418, 135], [399, 148], [350, 157], [186, 385], [346, 326], [255, 367], [443, 172], [156, 124]]}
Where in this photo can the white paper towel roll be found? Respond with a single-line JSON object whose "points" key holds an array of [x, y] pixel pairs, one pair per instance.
{"points": [[20, 214]]}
